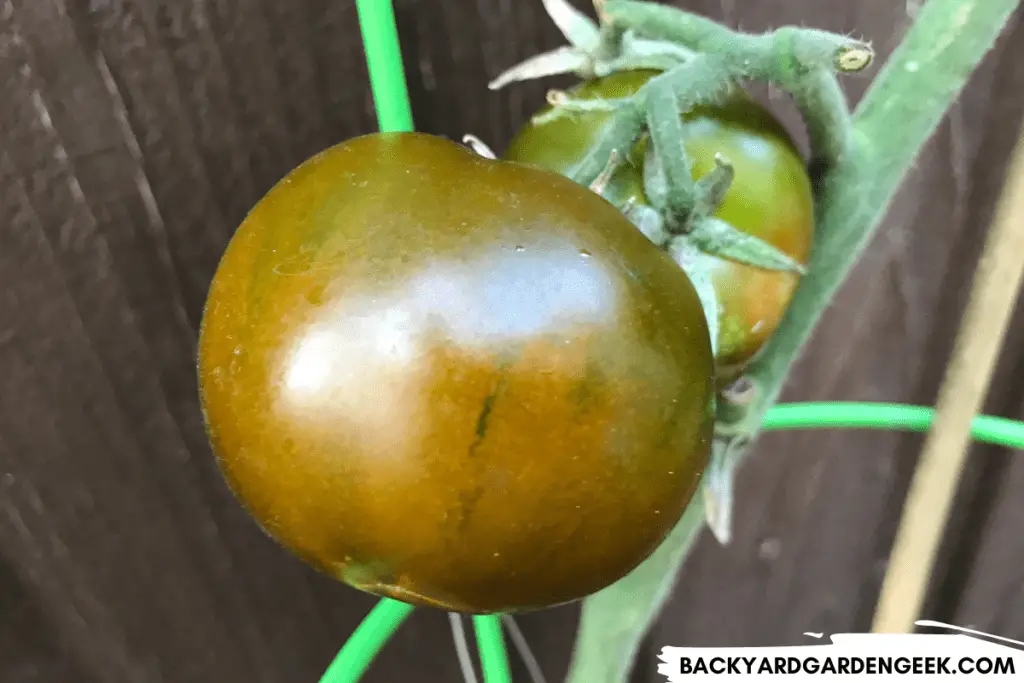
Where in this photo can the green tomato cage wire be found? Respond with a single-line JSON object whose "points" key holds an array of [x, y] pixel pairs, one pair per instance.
{"points": [[391, 99]]}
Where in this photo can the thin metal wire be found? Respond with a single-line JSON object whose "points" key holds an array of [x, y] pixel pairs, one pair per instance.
{"points": [[462, 647], [523, 648]]}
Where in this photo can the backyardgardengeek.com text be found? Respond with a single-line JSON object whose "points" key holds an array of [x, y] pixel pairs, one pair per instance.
{"points": [[752, 665]]}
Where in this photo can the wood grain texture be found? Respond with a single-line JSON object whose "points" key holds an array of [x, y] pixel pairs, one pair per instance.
{"points": [[134, 136]]}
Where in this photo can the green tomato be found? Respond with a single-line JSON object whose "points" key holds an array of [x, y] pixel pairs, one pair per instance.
{"points": [[770, 197], [454, 381]]}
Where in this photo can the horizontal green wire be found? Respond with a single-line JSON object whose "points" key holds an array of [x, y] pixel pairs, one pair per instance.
{"points": [[894, 416]]}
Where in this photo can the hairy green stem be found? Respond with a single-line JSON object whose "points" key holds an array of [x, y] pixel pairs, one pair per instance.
{"points": [[655, 184], [621, 134], [666, 130], [610, 45], [668, 23], [822, 104], [703, 78], [808, 47], [697, 81]]}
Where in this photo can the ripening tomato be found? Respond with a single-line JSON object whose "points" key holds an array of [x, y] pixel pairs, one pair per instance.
{"points": [[454, 381], [770, 197]]}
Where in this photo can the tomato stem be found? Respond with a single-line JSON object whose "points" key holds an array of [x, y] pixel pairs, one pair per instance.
{"points": [[611, 41], [679, 195], [791, 46], [822, 104]]}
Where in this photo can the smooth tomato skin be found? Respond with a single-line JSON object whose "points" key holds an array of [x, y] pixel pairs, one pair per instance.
{"points": [[458, 382], [770, 197]]}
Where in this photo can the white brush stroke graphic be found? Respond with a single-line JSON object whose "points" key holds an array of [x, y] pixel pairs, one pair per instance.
{"points": [[965, 655]]}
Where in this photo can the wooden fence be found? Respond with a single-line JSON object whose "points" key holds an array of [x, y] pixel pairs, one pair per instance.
{"points": [[134, 136]]}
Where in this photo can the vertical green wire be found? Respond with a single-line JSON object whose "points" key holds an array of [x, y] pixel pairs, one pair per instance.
{"points": [[493, 655], [384, 63], [391, 99]]}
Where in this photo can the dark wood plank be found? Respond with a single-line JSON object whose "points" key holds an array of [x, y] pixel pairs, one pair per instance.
{"points": [[105, 312], [155, 127], [293, 61], [94, 528], [342, 81], [185, 34]]}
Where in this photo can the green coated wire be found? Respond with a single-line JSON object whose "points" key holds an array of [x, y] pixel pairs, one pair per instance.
{"points": [[391, 98], [1000, 431], [366, 641], [384, 64], [491, 643]]}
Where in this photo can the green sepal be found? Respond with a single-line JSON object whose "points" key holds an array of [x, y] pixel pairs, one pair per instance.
{"points": [[561, 60], [698, 268], [581, 31], [715, 237]]}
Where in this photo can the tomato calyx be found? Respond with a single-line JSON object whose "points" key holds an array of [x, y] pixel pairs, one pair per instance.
{"points": [[695, 220], [687, 205]]}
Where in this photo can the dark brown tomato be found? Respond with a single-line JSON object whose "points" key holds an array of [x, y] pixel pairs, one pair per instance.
{"points": [[770, 196], [454, 381]]}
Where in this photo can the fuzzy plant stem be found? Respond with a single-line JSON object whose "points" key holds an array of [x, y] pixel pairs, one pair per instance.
{"points": [[900, 112], [808, 47], [801, 61]]}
